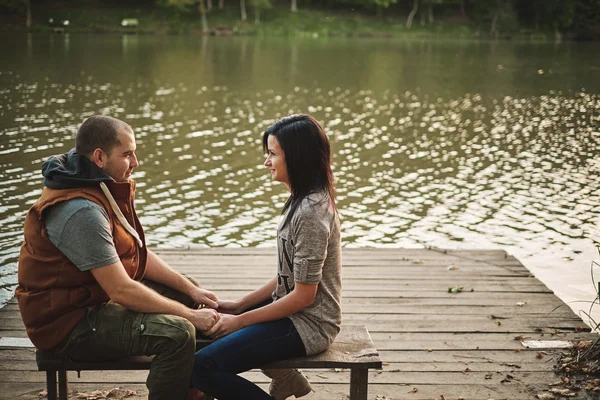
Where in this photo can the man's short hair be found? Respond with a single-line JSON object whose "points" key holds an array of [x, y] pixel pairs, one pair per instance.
{"points": [[98, 131]]}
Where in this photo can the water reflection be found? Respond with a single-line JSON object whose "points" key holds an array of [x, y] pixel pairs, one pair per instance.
{"points": [[434, 144]]}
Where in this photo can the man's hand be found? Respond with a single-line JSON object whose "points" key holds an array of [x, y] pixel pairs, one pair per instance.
{"points": [[206, 297], [229, 307], [204, 319], [225, 326]]}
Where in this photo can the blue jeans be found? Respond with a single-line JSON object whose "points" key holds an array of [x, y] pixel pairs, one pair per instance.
{"points": [[216, 366]]}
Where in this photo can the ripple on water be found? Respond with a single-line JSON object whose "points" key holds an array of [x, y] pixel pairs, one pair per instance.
{"points": [[411, 170]]}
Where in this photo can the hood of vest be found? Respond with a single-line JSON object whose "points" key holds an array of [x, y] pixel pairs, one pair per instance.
{"points": [[72, 170]]}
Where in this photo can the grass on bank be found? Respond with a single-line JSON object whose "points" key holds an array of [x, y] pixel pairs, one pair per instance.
{"points": [[275, 21]]}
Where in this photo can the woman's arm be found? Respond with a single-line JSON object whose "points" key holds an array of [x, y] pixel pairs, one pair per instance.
{"points": [[301, 297], [258, 296]]}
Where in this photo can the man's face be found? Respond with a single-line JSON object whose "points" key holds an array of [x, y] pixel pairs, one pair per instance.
{"points": [[122, 159]]}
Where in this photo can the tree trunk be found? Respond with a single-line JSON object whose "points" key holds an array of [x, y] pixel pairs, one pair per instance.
{"points": [[414, 10], [557, 36], [494, 22], [493, 29], [256, 15], [462, 8], [221, 4], [243, 10], [208, 5], [294, 6], [430, 13], [28, 14], [202, 10]]}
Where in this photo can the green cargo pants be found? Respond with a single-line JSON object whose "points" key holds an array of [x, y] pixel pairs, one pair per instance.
{"points": [[111, 331]]}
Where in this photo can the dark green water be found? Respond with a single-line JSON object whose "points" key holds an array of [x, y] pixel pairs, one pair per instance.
{"points": [[443, 143]]}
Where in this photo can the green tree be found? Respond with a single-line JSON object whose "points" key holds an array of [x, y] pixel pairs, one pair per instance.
{"points": [[20, 6], [258, 5], [188, 5]]}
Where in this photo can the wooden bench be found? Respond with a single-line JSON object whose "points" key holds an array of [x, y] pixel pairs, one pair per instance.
{"points": [[353, 349]]}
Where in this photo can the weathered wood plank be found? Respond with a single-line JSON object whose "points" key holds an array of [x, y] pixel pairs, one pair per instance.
{"points": [[30, 391], [325, 376], [426, 336]]}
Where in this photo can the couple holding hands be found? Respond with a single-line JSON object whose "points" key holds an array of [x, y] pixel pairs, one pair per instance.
{"points": [[89, 289]]}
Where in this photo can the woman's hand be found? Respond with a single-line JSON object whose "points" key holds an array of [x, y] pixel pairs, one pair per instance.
{"points": [[225, 326], [205, 297], [229, 307]]}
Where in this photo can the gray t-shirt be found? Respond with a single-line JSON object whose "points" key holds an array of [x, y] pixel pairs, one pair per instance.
{"points": [[309, 251], [80, 229]]}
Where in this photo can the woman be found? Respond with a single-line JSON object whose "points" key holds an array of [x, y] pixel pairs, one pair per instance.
{"points": [[297, 312]]}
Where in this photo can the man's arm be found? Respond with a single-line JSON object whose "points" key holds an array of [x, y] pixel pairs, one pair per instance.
{"points": [[135, 296], [159, 271]]}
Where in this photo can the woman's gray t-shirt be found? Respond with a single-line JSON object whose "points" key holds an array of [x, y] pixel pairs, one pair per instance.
{"points": [[309, 251]]}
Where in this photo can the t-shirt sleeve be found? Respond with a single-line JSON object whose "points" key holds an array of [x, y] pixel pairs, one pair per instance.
{"points": [[81, 231], [311, 236]]}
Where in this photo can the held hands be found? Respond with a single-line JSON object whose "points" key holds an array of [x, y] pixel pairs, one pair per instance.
{"points": [[205, 319], [205, 297], [226, 325], [229, 307]]}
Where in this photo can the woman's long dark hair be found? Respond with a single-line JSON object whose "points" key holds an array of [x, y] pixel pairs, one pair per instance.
{"points": [[307, 158]]}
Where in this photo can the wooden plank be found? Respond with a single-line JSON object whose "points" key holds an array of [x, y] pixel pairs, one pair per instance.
{"points": [[426, 336], [30, 391], [433, 323], [327, 376], [369, 308]]}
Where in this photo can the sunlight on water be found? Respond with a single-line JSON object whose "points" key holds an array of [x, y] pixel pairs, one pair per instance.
{"points": [[412, 169]]}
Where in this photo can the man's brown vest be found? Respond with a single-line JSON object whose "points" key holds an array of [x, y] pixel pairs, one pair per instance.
{"points": [[53, 294]]}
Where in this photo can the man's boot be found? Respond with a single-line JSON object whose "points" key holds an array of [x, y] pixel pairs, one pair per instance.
{"points": [[286, 383]]}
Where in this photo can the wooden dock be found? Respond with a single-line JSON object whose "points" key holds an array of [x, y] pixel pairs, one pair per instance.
{"points": [[435, 344]]}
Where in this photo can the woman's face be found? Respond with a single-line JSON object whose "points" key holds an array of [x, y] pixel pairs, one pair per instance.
{"points": [[276, 161]]}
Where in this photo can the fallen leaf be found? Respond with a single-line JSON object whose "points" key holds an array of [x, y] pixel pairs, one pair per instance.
{"points": [[488, 376], [545, 396], [456, 289], [521, 303], [563, 392], [512, 365], [498, 323], [418, 262], [539, 355], [414, 390], [517, 349], [429, 350], [452, 267]]}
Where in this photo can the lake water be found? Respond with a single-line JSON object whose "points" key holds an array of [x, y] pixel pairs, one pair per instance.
{"points": [[454, 144]]}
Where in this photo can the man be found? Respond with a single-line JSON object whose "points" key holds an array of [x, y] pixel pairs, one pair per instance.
{"points": [[89, 289]]}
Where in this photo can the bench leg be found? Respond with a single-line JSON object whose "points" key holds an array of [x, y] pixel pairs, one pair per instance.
{"points": [[51, 384], [359, 381], [63, 389]]}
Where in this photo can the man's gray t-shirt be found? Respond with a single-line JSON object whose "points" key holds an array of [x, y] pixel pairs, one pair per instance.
{"points": [[80, 229], [309, 251]]}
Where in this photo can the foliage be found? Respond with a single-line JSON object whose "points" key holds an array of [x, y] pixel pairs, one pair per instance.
{"points": [[540, 18]]}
